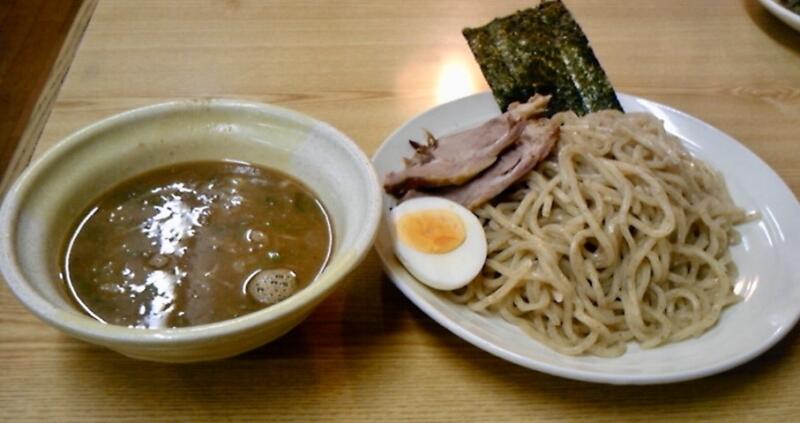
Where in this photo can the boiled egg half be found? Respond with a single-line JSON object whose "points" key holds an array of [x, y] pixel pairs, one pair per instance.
{"points": [[438, 241]]}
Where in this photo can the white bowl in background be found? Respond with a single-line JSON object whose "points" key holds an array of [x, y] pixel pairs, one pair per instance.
{"points": [[781, 12]]}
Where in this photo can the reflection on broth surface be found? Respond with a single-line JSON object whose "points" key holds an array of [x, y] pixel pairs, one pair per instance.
{"points": [[195, 243]]}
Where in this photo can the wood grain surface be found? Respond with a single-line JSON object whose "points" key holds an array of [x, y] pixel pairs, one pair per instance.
{"points": [[367, 354], [31, 35]]}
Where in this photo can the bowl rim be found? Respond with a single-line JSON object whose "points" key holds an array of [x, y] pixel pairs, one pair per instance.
{"points": [[783, 13], [84, 326]]}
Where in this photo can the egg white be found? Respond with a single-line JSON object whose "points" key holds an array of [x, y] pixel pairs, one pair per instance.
{"points": [[447, 271]]}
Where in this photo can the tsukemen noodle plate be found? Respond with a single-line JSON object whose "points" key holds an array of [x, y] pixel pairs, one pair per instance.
{"points": [[768, 277]]}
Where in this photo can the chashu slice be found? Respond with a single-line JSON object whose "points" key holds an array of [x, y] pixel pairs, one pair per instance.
{"points": [[534, 144], [456, 158]]}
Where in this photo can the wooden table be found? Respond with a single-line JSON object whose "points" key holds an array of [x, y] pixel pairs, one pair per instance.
{"points": [[367, 354]]}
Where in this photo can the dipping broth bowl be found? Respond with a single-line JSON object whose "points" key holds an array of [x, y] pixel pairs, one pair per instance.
{"points": [[42, 207]]}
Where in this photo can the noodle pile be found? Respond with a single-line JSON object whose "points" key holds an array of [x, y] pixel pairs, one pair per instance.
{"points": [[619, 235]]}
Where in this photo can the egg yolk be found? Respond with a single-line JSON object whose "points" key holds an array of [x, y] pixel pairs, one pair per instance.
{"points": [[431, 231]]}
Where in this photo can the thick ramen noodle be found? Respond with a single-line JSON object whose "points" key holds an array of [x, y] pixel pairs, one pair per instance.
{"points": [[619, 235]]}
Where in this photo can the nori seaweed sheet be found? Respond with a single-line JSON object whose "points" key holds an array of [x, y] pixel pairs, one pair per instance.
{"points": [[541, 50]]}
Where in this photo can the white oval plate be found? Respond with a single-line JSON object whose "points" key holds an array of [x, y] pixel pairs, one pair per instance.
{"points": [[769, 271]]}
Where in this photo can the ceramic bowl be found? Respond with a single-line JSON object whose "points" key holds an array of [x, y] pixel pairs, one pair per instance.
{"points": [[783, 13], [48, 198]]}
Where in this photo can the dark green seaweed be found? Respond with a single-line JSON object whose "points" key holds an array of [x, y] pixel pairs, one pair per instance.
{"points": [[541, 50]]}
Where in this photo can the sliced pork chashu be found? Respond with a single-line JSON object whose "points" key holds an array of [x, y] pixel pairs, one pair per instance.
{"points": [[456, 158], [534, 144]]}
